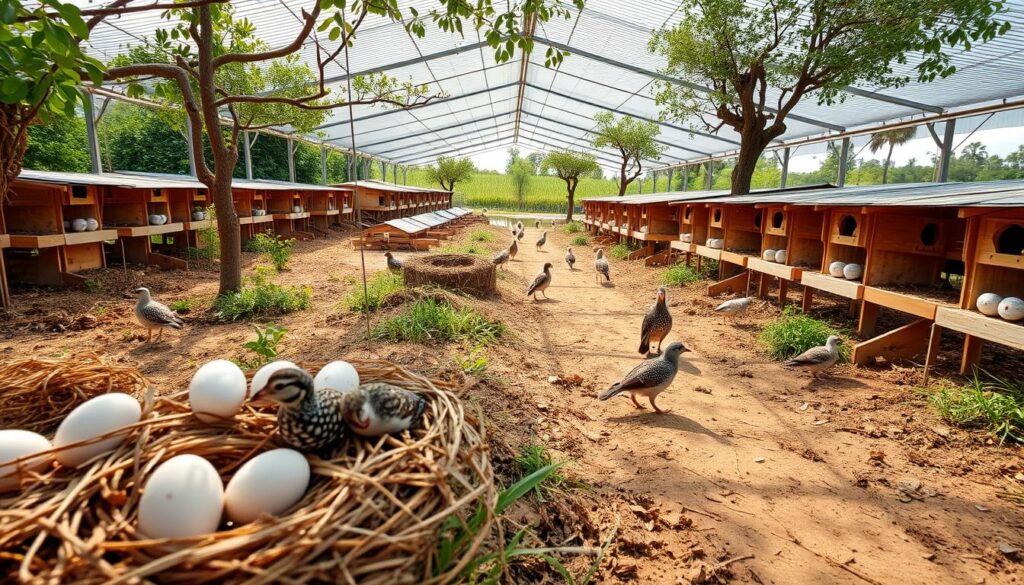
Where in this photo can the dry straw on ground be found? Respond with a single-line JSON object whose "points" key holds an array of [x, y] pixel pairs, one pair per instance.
{"points": [[459, 272], [371, 515]]}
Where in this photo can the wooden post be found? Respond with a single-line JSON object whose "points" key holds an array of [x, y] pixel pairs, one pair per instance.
{"points": [[808, 299], [901, 343], [783, 291], [323, 163], [843, 152], [763, 285], [868, 316], [934, 341], [731, 284], [90, 133], [785, 168], [972, 353], [247, 146]]}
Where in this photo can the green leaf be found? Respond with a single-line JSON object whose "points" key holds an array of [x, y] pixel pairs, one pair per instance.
{"points": [[73, 17], [522, 487], [14, 89]]}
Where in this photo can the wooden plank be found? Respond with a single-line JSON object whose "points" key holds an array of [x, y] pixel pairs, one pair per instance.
{"points": [[899, 344], [302, 215], [975, 324], [808, 299], [149, 230], [166, 262], [972, 354], [837, 286], [775, 269], [733, 284], [200, 225], [5, 241], [678, 245], [734, 258], [901, 302], [72, 238], [44, 241], [324, 212], [712, 253], [261, 218], [77, 258], [868, 317], [934, 342]]}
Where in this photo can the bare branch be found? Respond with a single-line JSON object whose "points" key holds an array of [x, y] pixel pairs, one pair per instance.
{"points": [[295, 45], [303, 102]]}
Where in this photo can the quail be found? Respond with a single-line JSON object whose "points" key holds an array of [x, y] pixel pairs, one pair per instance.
{"points": [[601, 266], [513, 249], [541, 283], [649, 378], [817, 359], [735, 307], [519, 236], [308, 420], [657, 324], [570, 258], [376, 409], [543, 240], [153, 315], [394, 264], [536, 224], [501, 258]]}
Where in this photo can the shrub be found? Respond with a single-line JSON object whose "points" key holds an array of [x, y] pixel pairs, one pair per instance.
{"points": [[621, 251], [260, 296], [481, 236], [265, 347], [793, 333], [277, 249], [993, 404], [572, 227], [581, 240], [208, 239], [183, 306], [432, 320], [378, 288], [534, 456], [470, 248], [681, 275]]}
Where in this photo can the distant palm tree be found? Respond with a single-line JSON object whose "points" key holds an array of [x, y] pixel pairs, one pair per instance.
{"points": [[892, 139]]}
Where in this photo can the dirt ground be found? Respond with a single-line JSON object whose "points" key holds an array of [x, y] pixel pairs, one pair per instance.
{"points": [[757, 475]]}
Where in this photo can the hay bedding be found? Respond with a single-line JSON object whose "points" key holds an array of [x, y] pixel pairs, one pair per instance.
{"points": [[458, 272], [371, 515]]}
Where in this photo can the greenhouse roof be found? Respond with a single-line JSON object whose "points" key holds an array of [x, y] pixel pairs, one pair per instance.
{"points": [[486, 106]]}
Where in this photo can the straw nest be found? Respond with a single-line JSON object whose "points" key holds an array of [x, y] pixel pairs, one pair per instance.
{"points": [[373, 514], [460, 272], [36, 394]]}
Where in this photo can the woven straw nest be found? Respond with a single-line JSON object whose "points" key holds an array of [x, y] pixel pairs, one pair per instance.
{"points": [[459, 272], [372, 515]]}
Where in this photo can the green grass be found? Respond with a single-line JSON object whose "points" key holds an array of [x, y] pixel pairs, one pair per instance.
{"points": [[793, 333], [277, 249], [682, 275], [534, 456], [378, 288], [259, 296], [426, 320], [482, 236], [184, 305], [468, 248], [474, 361], [621, 251], [581, 240], [992, 404], [573, 227]]}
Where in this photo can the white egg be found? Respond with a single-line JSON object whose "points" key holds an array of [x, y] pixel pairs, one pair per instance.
{"points": [[91, 224], [15, 444], [184, 497], [338, 375], [853, 271], [269, 483], [1011, 309], [768, 255], [836, 268], [217, 390], [93, 418], [259, 379], [988, 304], [780, 256], [79, 225]]}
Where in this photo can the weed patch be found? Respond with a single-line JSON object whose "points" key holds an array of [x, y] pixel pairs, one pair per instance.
{"points": [[431, 320], [793, 333], [260, 296]]}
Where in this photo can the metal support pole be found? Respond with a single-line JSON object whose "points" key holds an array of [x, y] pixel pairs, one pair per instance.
{"points": [[843, 153], [247, 147], [189, 139], [351, 160], [686, 176], [383, 171], [91, 135], [395, 169], [669, 187], [367, 166], [946, 155], [709, 178], [641, 185], [405, 176], [323, 163], [291, 160], [785, 168]]}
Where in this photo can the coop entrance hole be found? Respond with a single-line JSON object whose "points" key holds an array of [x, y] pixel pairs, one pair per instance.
{"points": [[930, 234], [777, 219], [718, 215], [1011, 240], [847, 225], [757, 220]]}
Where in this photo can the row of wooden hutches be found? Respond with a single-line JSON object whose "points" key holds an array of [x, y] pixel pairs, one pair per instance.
{"points": [[54, 226], [925, 250]]}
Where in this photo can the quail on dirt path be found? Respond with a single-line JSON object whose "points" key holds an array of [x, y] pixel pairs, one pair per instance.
{"points": [[153, 315], [541, 283], [394, 264], [817, 359], [735, 307], [376, 409], [501, 258], [513, 249], [543, 240], [570, 258], [649, 378], [601, 266], [308, 420], [657, 324]]}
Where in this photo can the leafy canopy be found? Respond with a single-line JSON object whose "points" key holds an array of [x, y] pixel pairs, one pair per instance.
{"points": [[636, 141], [448, 171], [569, 165]]}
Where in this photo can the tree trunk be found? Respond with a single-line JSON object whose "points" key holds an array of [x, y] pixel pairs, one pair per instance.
{"points": [[230, 235], [751, 147], [13, 144], [623, 183], [885, 167], [572, 203]]}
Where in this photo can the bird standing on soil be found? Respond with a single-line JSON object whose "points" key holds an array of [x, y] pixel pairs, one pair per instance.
{"points": [[513, 249], [657, 324], [649, 378], [153, 315], [376, 409], [601, 266], [541, 283], [536, 224], [817, 359], [735, 307], [394, 264], [543, 240], [501, 258], [308, 420], [521, 233], [570, 258]]}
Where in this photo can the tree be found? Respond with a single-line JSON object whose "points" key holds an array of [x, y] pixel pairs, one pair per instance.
{"points": [[58, 145], [210, 64], [513, 156], [449, 171], [634, 139], [749, 65], [569, 166], [521, 171], [892, 139], [536, 161]]}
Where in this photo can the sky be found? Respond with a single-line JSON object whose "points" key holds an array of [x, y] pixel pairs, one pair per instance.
{"points": [[1001, 141]]}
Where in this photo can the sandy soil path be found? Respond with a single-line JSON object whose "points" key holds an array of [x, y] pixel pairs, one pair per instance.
{"points": [[776, 481]]}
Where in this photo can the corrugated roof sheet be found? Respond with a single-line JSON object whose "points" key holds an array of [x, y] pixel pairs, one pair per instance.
{"points": [[141, 180], [406, 226], [392, 187], [975, 194]]}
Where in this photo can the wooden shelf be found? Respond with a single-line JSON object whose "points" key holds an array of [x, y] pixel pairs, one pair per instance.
{"points": [[654, 237], [713, 253], [902, 302], [975, 324], [88, 237], [301, 215], [683, 247], [261, 218], [5, 241], [837, 286], [322, 212], [148, 230], [201, 224], [784, 271], [734, 258], [36, 242]]}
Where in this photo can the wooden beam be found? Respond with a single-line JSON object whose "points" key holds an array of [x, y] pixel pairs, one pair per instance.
{"points": [[808, 299], [902, 343], [868, 316], [972, 353], [934, 342], [732, 284]]}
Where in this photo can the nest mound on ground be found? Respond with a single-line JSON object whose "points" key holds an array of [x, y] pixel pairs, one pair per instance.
{"points": [[372, 514], [460, 272]]}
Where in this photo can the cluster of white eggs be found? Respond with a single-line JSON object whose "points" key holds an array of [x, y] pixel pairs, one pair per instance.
{"points": [[770, 255], [686, 238], [82, 224], [715, 243], [157, 219], [1009, 308], [185, 495], [296, 209], [849, 271]]}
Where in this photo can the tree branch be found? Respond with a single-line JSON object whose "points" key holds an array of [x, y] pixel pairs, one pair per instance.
{"points": [[302, 103], [295, 45]]}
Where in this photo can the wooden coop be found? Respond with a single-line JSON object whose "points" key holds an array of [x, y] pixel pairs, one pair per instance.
{"points": [[288, 208], [141, 214], [53, 227], [376, 201], [251, 207], [189, 205]]}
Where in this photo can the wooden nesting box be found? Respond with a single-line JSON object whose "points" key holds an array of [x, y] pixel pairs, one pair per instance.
{"points": [[323, 209], [659, 222], [136, 212], [693, 224], [289, 210], [798, 231], [251, 207], [845, 241]]}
